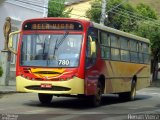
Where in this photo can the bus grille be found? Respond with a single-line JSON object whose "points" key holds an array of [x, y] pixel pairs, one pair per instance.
{"points": [[54, 88]]}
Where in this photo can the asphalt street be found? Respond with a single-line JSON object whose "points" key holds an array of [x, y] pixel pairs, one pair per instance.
{"points": [[26, 106]]}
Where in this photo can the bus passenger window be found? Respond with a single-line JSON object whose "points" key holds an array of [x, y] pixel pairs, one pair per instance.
{"points": [[145, 48], [115, 54], [105, 52], [105, 39], [114, 41], [140, 47], [140, 58], [125, 56], [124, 43], [146, 58], [134, 57], [133, 45]]}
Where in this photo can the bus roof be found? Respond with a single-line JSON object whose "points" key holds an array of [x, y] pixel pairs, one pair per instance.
{"points": [[121, 33], [57, 18], [96, 25]]}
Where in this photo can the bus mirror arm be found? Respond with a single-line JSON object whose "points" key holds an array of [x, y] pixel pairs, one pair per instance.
{"points": [[10, 42]]}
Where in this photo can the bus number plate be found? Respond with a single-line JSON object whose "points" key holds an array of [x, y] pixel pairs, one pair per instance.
{"points": [[63, 62], [46, 85]]}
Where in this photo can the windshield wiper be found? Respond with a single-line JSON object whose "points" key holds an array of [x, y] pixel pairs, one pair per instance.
{"points": [[44, 45], [62, 39], [57, 44]]}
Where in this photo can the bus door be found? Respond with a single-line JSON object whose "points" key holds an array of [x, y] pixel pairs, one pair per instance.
{"points": [[91, 71]]}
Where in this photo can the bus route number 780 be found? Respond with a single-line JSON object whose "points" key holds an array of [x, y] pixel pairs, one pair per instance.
{"points": [[63, 62]]}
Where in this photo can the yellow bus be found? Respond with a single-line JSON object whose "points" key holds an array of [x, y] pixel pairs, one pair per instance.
{"points": [[66, 57]]}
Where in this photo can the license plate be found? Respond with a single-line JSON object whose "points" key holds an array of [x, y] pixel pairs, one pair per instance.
{"points": [[46, 85]]}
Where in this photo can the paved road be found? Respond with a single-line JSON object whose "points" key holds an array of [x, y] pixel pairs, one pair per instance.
{"points": [[26, 106]]}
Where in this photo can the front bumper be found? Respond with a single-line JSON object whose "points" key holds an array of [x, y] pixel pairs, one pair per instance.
{"points": [[72, 86]]}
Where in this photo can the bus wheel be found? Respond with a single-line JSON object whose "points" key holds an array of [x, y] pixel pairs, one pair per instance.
{"points": [[129, 95], [45, 98], [96, 99], [133, 90]]}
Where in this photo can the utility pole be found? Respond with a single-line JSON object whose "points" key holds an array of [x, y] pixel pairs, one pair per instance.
{"points": [[6, 54], [45, 9], [103, 12]]}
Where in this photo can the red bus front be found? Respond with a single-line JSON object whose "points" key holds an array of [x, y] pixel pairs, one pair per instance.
{"points": [[51, 56]]}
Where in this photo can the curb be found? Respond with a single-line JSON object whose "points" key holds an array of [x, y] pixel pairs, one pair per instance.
{"points": [[8, 89], [155, 84], [7, 92]]}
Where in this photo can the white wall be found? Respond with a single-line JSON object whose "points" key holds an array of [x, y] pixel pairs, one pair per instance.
{"points": [[20, 11]]}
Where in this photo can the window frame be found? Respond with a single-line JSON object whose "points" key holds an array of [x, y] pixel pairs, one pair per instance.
{"points": [[137, 49]]}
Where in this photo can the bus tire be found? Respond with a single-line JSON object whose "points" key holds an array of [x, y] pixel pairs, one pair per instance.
{"points": [[45, 98], [133, 90], [95, 100], [130, 96]]}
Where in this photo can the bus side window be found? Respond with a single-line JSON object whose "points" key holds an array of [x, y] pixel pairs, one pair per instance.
{"points": [[134, 51], [125, 56], [115, 47], [145, 50]]}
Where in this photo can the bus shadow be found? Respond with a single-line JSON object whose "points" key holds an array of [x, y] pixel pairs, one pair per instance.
{"points": [[76, 103], [158, 105], [114, 99]]}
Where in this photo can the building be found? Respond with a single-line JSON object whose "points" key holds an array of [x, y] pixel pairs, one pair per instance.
{"points": [[20, 10]]}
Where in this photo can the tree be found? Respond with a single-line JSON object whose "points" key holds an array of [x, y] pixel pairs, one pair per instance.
{"points": [[116, 19], [56, 8], [95, 11], [146, 11], [150, 30]]}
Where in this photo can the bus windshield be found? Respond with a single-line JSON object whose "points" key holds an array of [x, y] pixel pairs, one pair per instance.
{"points": [[51, 50]]}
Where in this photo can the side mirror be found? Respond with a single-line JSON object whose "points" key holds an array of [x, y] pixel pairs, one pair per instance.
{"points": [[93, 46], [10, 42]]}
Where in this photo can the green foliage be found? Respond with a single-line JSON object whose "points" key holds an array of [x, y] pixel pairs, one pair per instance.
{"points": [[94, 13], [151, 31], [129, 19], [56, 8], [116, 18], [120, 18], [124, 17], [1, 71], [146, 11]]}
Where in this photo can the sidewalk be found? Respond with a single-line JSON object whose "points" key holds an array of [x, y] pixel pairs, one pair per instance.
{"points": [[156, 83], [11, 88]]}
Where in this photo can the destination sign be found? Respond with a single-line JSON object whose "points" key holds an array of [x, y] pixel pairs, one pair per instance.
{"points": [[53, 25]]}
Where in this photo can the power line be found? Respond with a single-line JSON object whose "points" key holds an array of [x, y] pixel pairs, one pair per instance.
{"points": [[112, 9], [136, 14], [116, 6], [133, 17], [130, 13]]}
